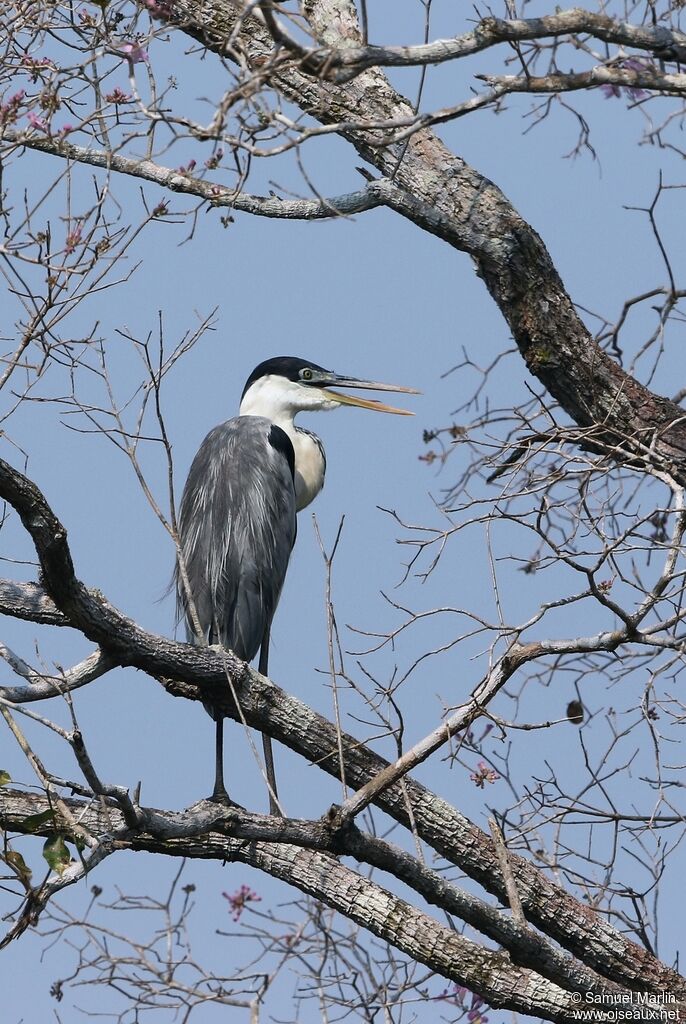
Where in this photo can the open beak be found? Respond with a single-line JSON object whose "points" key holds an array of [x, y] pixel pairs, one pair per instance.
{"points": [[368, 385]]}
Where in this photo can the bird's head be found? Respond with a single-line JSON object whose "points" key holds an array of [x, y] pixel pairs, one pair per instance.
{"points": [[287, 385]]}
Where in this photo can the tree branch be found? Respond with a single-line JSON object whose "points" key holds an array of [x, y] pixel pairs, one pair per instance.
{"points": [[368, 198], [663, 42], [30, 602], [197, 673], [220, 833], [41, 685], [442, 194]]}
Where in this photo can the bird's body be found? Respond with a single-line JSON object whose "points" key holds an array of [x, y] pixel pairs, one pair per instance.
{"points": [[237, 527], [237, 520]]}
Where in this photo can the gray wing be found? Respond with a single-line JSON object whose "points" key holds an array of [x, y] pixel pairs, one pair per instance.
{"points": [[237, 527]]}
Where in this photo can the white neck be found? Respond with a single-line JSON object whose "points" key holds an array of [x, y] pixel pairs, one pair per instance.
{"points": [[280, 400]]}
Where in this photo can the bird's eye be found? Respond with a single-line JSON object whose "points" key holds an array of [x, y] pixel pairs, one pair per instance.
{"points": [[306, 374]]}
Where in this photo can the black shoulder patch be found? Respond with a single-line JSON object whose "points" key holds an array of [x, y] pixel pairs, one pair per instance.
{"points": [[281, 442]]}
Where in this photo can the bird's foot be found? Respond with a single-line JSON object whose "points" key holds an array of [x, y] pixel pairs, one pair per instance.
{"points": [[220, 796], [275, 808]]}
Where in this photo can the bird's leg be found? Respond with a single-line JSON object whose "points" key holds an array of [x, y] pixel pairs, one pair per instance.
{"points": [[219, 794], [274, 807]]}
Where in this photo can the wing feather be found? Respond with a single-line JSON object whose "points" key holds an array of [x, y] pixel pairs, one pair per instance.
{"points": [[237, 526]]}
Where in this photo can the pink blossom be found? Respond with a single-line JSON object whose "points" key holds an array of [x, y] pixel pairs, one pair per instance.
{"points": [[214, 160], [36, 122], [9, 111], [239, 899], [37, 62], [631, 64], [483, 774], [73, 239], [159, 8], [134, 53], [117, 96], [458, 996]]}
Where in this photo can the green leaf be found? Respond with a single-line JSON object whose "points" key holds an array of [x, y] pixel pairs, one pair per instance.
{"points": [[34, 821], [18, 864], [56, 854], [5, 777]]}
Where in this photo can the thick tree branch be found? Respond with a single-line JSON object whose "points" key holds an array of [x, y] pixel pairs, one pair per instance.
{"points": [[30, 602], [198, 672], [663, 42], [442, 194], [222, 833], [526, 947]]}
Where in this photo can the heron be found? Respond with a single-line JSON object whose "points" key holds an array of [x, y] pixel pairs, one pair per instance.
{"points": [[237, 518]]}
